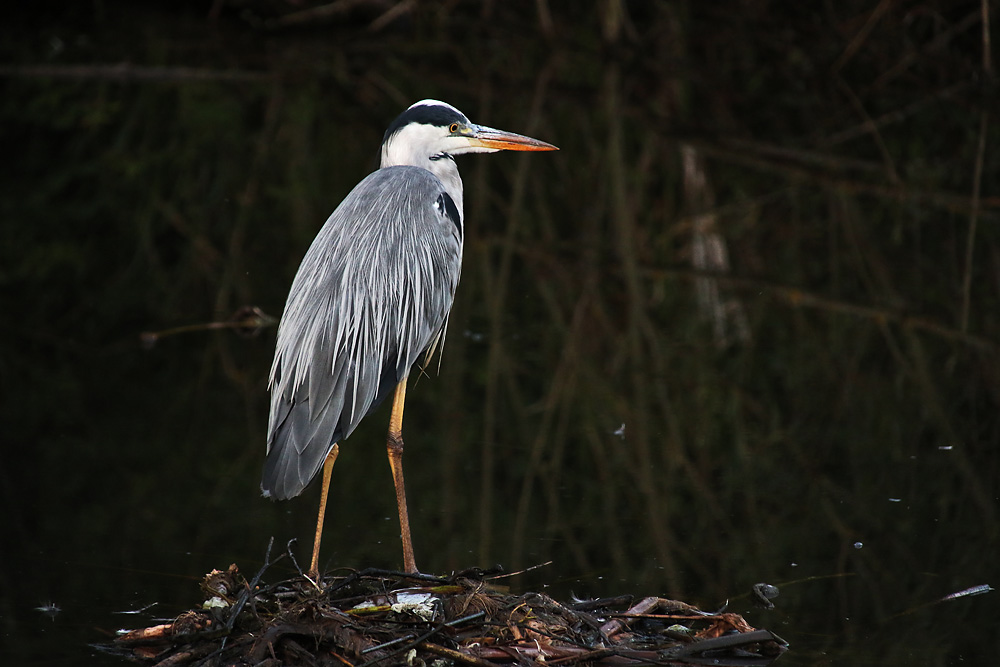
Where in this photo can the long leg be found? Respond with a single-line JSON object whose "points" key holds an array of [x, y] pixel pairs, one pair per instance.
{"points": [[331, 458], [394, 445]]}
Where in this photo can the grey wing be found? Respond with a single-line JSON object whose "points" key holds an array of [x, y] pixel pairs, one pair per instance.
{"points": [[373, 292]]}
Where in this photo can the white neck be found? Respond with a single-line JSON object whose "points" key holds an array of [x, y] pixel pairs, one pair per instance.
{"points": [[409, 147]]}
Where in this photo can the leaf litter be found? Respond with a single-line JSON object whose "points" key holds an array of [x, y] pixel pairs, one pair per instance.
{"points": [[374, 618]]}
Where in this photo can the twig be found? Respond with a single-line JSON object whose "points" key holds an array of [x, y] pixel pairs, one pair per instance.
{"points": [[449, 624], [457, 656], [977, 179], [970, 241], [376, 572], [288, 550], [315, 14], [862, 35], [246, 318], [643, 606], [724, 642], [247, 592], [127, 73], [419, 640], [590, 605], [514, 574], [391, 14]]}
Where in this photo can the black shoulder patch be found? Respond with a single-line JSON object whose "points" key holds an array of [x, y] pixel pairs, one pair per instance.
{"points": [[446, 205], [425, 114]]}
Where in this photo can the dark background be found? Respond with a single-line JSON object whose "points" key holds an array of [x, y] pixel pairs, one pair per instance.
{"points": [[769, 248]]}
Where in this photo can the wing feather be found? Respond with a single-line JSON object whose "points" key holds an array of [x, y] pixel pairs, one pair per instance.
{"points": [[372, 294]]}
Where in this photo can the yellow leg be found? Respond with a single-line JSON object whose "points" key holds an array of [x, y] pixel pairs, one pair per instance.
{"points": [[394, 445], [331, 458]]}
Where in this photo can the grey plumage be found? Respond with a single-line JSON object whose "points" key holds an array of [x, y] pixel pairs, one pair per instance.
{"points": [[356, 322]]}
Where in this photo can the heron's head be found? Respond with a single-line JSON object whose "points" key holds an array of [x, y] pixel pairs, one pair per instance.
{"points": [[431, 130]]}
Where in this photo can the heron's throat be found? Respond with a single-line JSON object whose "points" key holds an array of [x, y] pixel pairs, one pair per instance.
{"points": [[396, 153]]}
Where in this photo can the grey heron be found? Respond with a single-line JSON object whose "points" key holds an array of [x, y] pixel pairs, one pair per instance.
{"points": [[371, 297]]}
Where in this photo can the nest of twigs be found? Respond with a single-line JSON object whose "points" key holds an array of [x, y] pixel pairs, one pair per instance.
{"points": [[373, 618]]}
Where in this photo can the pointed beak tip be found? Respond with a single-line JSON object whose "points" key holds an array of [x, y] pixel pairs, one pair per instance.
{"points": [[539, 146]]}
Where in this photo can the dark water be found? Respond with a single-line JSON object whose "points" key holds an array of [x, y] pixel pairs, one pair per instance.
{"points": [[768, 248]]}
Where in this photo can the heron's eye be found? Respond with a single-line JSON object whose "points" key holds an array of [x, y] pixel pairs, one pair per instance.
{"points": [[454, 128]]}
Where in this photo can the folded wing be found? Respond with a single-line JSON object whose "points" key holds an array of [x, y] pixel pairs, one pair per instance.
{"points": [[372, 293]]}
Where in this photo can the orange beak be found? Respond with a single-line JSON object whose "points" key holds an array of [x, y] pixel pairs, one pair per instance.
{"points": [[498, 140]]}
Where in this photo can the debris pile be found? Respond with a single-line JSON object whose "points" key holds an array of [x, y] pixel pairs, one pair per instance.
{"points": [[373, 617]]}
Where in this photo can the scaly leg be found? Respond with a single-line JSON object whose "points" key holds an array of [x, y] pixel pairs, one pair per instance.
{"points": [[331, 458], [394, 445]]}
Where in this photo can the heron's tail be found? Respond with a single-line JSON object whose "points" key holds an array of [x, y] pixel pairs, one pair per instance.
{"points": [[296, 449]]}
